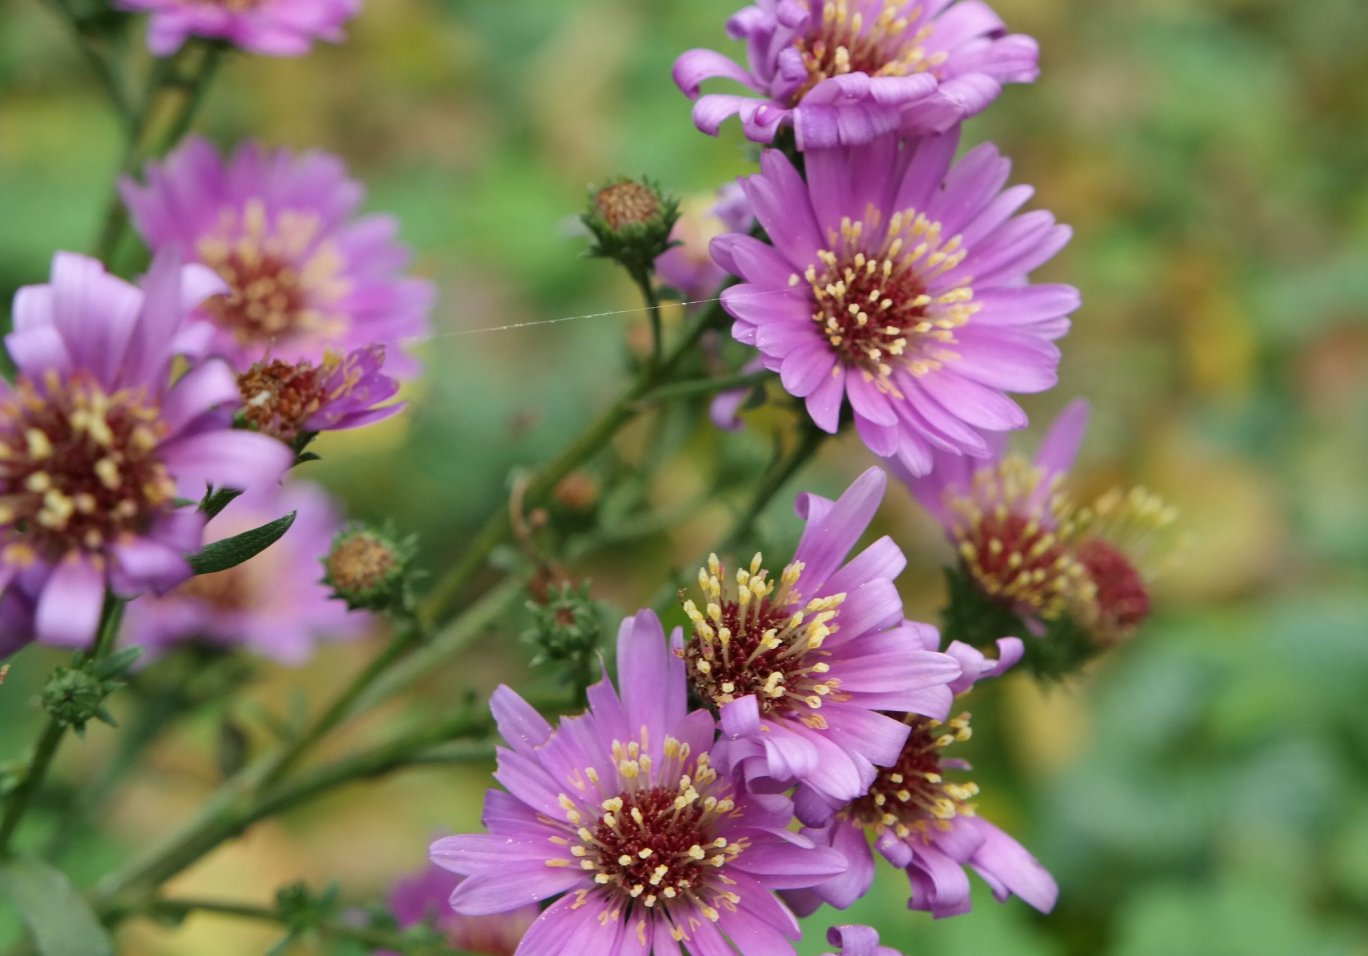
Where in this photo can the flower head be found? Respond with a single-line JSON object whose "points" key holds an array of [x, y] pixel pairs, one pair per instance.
{"points": [[801, 665], [897, 282], [1029, 546], [270, 27], [275, 604], [99, 448], [304, 276], [842, 72], [921, 815], [288, 401], [624, 815], [424, 897]]}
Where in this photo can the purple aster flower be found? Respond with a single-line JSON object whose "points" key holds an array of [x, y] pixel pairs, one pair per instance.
{"points": [[857, 941], [425, 897], [275, 604], [270, 27], [800, 667], [1027, 544], [898, 283], [623, 815], [842, 72], [303, 274], [341, 392], [97, 445], [922, 819]]}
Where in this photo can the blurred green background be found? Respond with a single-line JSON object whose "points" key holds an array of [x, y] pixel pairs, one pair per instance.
{"points": [[1204, 790]]}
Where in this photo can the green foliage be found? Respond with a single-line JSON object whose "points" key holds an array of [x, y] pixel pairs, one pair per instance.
{"points": [[230, 552], [57, 917]]}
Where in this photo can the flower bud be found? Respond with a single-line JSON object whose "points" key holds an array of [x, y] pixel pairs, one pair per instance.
{"points": [[369, 569], [631, 221], [567, 627]]}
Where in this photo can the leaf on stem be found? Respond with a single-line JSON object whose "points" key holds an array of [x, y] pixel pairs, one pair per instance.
{"points": [[230, 552], [59, 919]]}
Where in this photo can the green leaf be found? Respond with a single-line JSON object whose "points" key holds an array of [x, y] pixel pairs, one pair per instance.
{"points": [[216, 501], [61, 922], [230, 552]]}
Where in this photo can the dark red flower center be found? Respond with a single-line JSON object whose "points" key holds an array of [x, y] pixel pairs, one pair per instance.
{"points": [[753, 639], [1122, 601], [78, 467], [279, 398], [913, 794]]}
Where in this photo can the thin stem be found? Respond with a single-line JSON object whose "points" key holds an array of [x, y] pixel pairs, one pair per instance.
{"points": [[705, 386], [375, 938], [99, 64], [496, 530], [642, 278], [53, 732]]}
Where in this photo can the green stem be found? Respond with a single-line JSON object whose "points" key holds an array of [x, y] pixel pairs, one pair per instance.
{"points": [[53, 732], [375, 938], [98, 63], [445, 593], [705, 386], [773, 482], [642, 278]]}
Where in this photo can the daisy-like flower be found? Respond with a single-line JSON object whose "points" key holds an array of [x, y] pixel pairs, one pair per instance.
{"points": [[800, 666], [842, 72], [1028, 545], [275, 604], [898, 283], [270, 27], [921, 817], [289, 400], [857, 941], [622, 814], [98, 447], [303, 274], [425, 897]]}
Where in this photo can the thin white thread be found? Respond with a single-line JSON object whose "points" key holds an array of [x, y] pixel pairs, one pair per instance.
{"points": [[592, 315]]}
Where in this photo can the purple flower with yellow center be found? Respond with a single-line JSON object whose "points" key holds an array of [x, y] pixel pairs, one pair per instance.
{"points": [[898, 283], [291, 400], [98, 446], [842, 72], [303, 274], [801, 667], [425, 898], [921, 817], [622, 815], [275, 604], [270, 27], [1028, 545]]}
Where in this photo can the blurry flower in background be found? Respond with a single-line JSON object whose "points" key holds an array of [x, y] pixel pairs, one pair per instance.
{"points": [[97, 445], [303, 274], [801, 667], [689, 266], [1027, 545], [621, 814], [340, 392], [425, 898], [898, 282], [275, 604], [270, 27], [842, 72], [923, 822]]}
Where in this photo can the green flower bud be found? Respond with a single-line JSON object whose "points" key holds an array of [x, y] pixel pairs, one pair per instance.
{"points": [[369, 569], [631, 221]]}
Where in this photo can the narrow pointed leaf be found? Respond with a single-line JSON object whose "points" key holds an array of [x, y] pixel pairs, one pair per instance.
{"points": [[230, 552]]}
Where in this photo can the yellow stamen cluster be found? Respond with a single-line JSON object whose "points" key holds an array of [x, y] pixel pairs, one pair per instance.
{"points": [[1014, 532], [871, 295], [282, 279], [876, 37], [78, 467], [753, 637], [913, 796], [656, 833]]}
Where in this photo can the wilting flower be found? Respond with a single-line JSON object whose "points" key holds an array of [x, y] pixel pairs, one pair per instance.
{"points": [[274, 604], [425, 898], [270, 27], [304, 276], [921, 817], [98, 447], [289, 400], [857, 941], [1027, 545], [621, 813], [898, 283], [800, 667], [842, 72]]}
